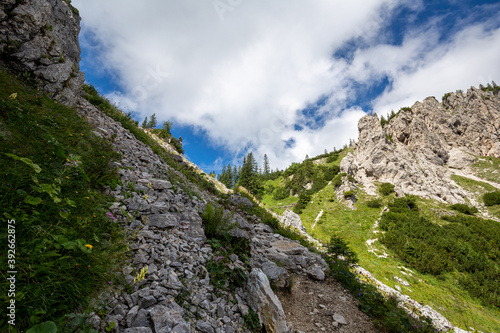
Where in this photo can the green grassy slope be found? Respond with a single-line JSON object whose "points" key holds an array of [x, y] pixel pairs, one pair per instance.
{"points": [[66, 243], [357, 226]]}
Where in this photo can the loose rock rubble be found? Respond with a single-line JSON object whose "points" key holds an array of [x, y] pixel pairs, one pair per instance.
{"points": [[167, 237]]}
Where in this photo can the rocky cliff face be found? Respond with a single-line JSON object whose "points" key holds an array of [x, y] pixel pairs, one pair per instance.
{"points": [[40, 38], [418, 150]]}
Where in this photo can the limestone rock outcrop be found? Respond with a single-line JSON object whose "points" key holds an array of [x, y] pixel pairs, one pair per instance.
{"points": [[290, 219], [416, 150], [40, 38], [264, 302]]}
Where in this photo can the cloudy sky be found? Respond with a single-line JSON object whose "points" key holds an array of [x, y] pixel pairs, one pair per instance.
{"points": [[284, 78]]}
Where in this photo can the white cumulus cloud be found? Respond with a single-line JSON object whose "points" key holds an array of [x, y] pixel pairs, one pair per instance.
{"points": [[240, 70]]}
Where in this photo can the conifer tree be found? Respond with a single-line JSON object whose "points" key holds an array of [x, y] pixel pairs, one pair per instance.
{"points": [[152, 122], [249, 176], [226, 176], [383, 121], [236, 176], [267, 169]]}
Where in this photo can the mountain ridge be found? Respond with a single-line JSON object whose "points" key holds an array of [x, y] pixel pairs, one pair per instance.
{"points": [[419, 148]]}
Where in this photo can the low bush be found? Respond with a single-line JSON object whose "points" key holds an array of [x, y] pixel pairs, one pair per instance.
{"points": [[330, 172], [215, 222], [491, 198], [222, 275], [462, 208], [337, 180], [349, 193], [386, 189], [375, 203], [304, 199], [340, 249], [280, 193]]}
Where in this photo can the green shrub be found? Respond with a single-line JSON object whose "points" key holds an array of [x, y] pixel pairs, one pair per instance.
{"points": [[445, 97], [375, 203], [330, 172], [386, 188], [490, 87], [337, 180], [304, 199], [462, 208], [269, 189], [214, 221], [349, 193], [383, 121], [331, 159], [340, 249], [177, 144], [252, 321], [281, 192], [491, 198]]}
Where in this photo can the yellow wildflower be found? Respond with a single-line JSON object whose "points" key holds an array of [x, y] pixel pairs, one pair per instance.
{"points": [[89, 246], [13, 96], [141, 274]]}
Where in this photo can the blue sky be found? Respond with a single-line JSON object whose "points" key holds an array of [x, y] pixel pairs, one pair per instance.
{"points": [[286, 78]]}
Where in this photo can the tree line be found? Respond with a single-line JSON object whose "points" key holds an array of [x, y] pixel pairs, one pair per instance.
{"points": [[249, 175], [302, 179]]}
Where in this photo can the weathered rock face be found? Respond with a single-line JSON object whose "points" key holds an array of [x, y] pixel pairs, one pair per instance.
{"points": [[41, 38], [417, 148], [290, 219], [264, 302]]}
